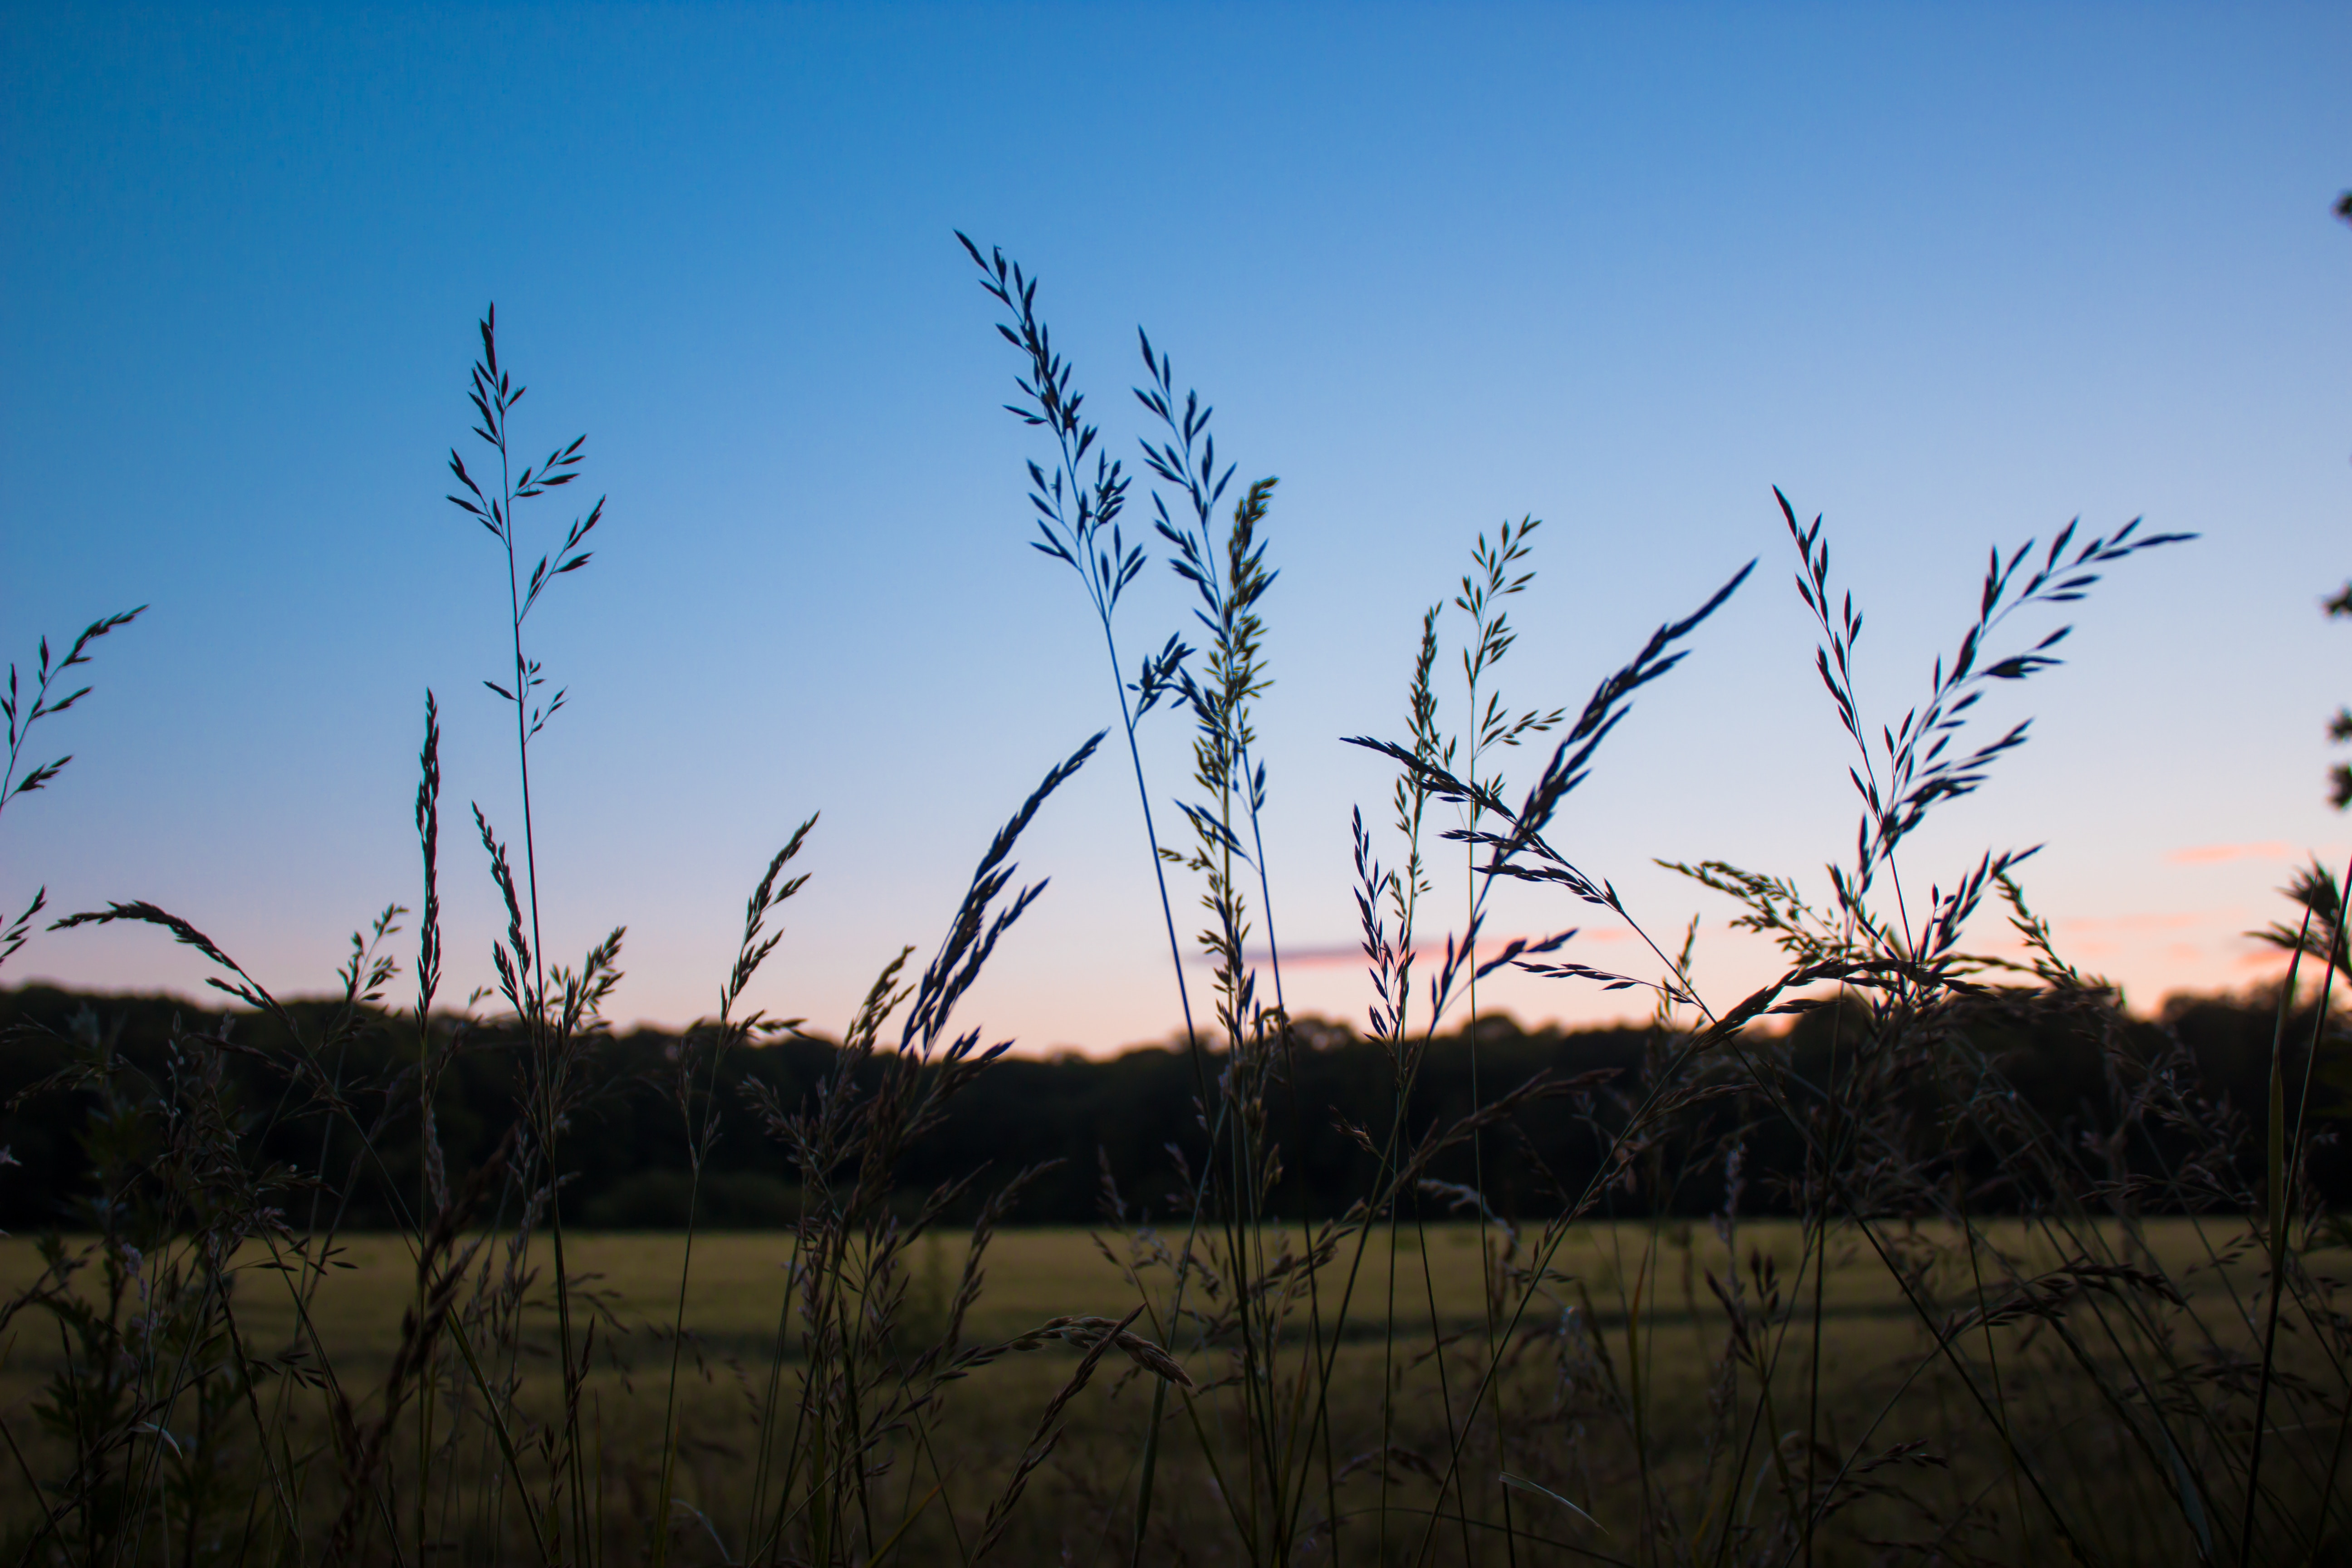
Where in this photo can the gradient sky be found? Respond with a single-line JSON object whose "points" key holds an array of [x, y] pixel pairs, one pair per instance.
{"points": [[1951, 275]]}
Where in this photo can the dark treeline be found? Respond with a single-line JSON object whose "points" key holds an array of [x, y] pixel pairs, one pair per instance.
{"points": [[1132, 1118]]}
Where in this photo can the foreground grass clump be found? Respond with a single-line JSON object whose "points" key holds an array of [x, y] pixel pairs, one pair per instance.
{"points": [[1857, 1290]]}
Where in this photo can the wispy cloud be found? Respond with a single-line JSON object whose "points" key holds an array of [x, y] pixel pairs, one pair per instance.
{"points": [[2213, 854], [1423, 953], [2146, 922]]}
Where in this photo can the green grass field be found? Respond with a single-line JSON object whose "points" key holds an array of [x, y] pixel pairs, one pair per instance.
{"points": [[1626, 1324], [738, 1281]]}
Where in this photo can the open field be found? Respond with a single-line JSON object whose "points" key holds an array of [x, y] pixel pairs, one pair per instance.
{"points": [[738, 1282], [1625, 1328]]}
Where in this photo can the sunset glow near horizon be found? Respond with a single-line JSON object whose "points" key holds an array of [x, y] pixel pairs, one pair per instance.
{"points": [[1949, 278]]}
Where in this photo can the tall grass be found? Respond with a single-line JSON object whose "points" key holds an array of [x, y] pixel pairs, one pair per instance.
{"points": [[24, 709], [2112, 1339]]}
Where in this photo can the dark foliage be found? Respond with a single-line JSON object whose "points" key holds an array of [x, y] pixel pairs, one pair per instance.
{"points": [[633, 1171]]}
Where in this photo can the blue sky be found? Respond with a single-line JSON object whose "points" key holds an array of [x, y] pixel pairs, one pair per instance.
{"points": [[1949, 276]]}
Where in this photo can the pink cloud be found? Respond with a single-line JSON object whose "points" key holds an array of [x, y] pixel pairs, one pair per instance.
{"points": [[1351, 954], [2136, 922], [2214, 854]]}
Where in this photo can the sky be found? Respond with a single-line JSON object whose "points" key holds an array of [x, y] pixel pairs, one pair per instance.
{"points": [[1949, 277]]}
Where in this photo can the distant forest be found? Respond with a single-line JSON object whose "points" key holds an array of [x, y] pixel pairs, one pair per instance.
{"points": [[1116, 1130]]}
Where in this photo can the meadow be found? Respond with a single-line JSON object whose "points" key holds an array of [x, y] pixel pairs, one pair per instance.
{"points": [[1631, 1304], [1857, 1289], [735, 1289]]}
